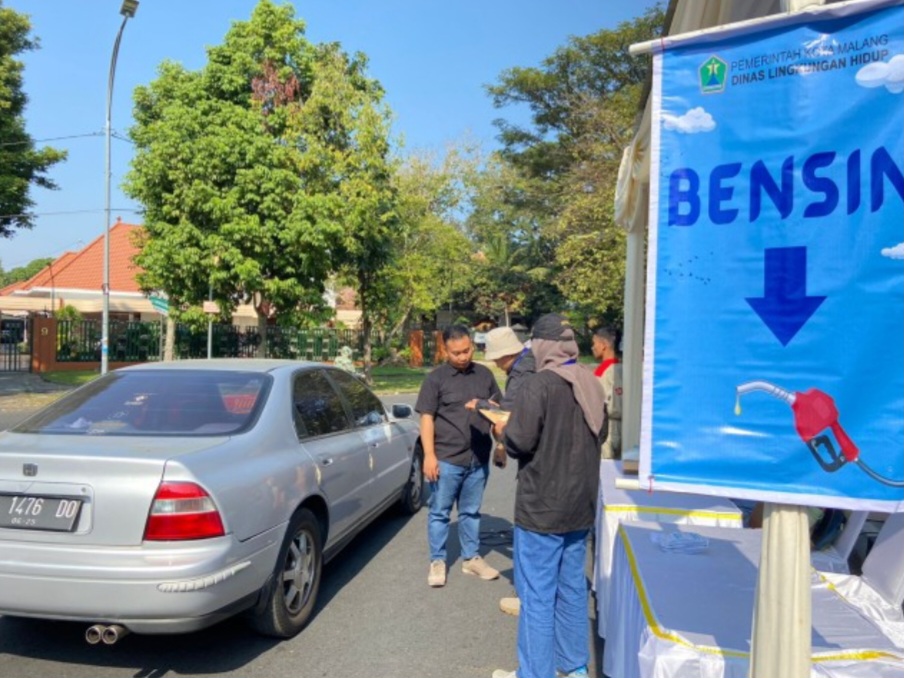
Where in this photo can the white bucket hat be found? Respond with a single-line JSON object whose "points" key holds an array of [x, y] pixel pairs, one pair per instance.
{"points": [[501, 342]]}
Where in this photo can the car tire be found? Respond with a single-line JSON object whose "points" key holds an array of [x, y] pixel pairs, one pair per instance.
{"points": [[293, 594], [413, 495]]}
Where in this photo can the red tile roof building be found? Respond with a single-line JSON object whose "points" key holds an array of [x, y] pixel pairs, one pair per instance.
{"points": [[76, 279], [84, 270]]}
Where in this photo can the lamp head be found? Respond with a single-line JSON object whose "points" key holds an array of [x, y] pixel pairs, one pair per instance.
{"points": [[128, 9]]}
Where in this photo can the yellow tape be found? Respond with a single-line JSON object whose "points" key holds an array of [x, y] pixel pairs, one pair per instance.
{"points": [[862, 655], [852, 654], [720, 515], [653, 623], [659, 632]]}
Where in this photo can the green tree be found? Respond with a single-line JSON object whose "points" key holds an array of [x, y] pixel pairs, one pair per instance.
{"points": [[245, 169], [23, 272], [512, 273], [590, 257], [358, 186], [433, 260], [68, 313], [21, 164], [583, 101]]}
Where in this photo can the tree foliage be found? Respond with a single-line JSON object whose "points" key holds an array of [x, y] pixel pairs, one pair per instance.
{"points": [[21, 164], [25, 272], [433, 256], [260, 172], [583, 101], [358, 177], [512, 273]]}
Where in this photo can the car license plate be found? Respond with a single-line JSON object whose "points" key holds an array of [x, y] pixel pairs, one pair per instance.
{"points": [[30, 512]]}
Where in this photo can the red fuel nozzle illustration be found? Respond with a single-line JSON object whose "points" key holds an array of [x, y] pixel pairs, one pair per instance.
{"points": [[815, 415], [814, 412]]}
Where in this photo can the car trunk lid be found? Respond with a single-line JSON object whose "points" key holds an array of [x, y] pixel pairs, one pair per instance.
{"points": [[97, 489]]}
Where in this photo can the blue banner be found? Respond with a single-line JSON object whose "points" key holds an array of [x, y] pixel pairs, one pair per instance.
{"points": [[774, 348]]}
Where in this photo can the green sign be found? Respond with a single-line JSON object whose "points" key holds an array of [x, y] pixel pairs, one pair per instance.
{"points": [[160, 304]]}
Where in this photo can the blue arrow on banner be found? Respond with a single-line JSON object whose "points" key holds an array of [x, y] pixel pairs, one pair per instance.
{"points": [[785, 307]]}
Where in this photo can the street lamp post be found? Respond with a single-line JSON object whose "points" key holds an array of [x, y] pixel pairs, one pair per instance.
{"points": [[210, 324], [128, 9]]}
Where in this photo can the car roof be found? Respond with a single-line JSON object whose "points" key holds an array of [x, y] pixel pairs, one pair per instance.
{"points": [[226, 364]]}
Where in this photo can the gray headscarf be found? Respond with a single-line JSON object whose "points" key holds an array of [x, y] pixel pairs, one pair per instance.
{"points": [[551, 354]]}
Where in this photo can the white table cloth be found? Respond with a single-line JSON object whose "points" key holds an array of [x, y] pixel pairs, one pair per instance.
{"points": [[615, 506], [675, 615]]}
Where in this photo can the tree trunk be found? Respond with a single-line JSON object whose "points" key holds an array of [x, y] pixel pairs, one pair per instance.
{"points": [[397, 328], [508, 320], [261, 351], [366, 329], [169, 344]]}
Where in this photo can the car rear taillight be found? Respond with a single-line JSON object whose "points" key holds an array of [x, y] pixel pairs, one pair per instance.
{"points": [[182, 511]]}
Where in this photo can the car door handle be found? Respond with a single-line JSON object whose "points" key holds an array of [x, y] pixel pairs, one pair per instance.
{"points": [[327, 461]]}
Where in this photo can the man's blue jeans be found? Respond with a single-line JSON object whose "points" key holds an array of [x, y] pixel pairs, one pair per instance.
{"points": [[553, 623], [464, 484]]}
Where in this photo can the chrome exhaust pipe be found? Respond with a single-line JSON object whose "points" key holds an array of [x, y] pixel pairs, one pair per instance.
{"points": [[114, 633], [95, 634]]}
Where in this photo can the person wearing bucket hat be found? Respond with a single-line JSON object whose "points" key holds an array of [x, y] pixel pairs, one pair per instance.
{"points": [[516, 360], [512, 357], [553, 433]]}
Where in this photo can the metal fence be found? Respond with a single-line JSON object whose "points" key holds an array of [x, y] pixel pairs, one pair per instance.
{"points": [[79, 341], [16, 340]]}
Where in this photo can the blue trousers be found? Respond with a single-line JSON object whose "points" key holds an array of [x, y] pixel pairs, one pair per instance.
{"points": [[553, 624], [465, 485]]}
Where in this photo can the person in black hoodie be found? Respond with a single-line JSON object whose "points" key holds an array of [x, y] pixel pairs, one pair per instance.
{"points": [[553, 434], [516, 360]]}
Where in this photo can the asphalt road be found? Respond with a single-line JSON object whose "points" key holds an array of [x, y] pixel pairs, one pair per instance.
{"points": [[376, 617]]}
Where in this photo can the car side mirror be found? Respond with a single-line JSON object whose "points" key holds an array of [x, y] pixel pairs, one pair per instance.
{"points": [[400, 411]]}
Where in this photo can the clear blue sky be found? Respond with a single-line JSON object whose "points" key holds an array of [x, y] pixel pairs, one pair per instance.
{"points": [[433, 58]]}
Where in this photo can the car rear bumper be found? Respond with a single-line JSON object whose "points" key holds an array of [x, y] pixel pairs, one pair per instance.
{"points": [[154, 588]]}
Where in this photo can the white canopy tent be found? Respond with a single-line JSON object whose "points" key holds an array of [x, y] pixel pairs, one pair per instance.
{"points": [[782, 616]]}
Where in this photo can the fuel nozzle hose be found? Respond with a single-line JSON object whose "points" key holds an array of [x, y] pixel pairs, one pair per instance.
{"points": [[815, 414]]}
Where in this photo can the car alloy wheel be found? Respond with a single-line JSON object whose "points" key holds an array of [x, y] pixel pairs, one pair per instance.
{"points": [[299, 574], [413, 495], [289, 602]]}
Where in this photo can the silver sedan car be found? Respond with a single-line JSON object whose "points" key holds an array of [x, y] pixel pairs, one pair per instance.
{"points": [[166, 497]]}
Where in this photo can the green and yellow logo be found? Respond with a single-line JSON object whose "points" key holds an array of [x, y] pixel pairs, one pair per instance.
{"points": [[713, 75]]}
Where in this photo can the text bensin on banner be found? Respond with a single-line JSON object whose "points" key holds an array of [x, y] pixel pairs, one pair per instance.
{"points": [[818, 196]]}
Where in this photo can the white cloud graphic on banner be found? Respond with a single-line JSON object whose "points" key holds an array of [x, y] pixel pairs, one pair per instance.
{"points": [[694, 121], [896, 252], [879, 74]]}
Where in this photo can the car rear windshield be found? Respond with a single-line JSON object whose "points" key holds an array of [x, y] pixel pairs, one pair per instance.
{"points": [[157, 402]]}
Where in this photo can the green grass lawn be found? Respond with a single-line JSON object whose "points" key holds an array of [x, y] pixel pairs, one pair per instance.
{"points": [[390, 380], [70, 377]]}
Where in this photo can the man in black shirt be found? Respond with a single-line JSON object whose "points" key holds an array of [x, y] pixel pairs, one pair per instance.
{"points": [[457, 445]]}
